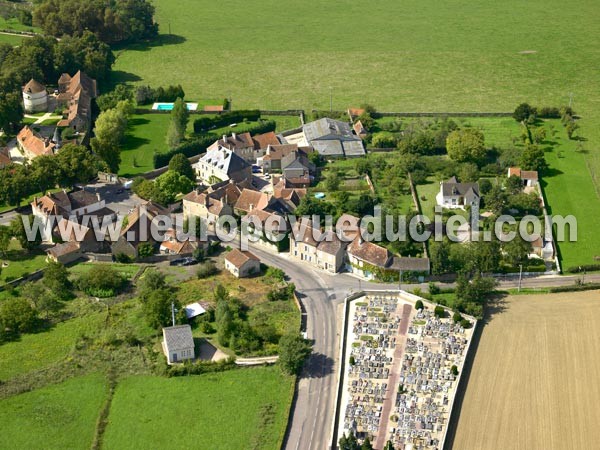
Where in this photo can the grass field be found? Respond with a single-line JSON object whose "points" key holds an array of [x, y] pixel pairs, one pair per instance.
{"points": [[20, 262], [57, 417], [452, 56], [36, 351], [11, 39], [533, 384], [126, 270], [239, 409]]}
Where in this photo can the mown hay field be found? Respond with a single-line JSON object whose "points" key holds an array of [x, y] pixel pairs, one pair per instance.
{"points": [[534, 380]]}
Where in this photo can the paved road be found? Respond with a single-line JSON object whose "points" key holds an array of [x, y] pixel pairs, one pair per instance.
{"points": [[322, 295]]}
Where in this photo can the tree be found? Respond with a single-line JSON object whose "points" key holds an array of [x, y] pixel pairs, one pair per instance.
{"points": [[533, 158], [179, 121], [524, 112], [333, 181], [180, 164], [18, 231], [366, 444], [112, 21], [77, 165], [110, 99], [467, 145], [384, 139], [485, 186], [145, 250], [293, 350], [517, 251], [389, 446], [152, 280], [349, 442], [157, 308], [475, 291], [109, 131], [56, 279], [17, 315], [45, 300], [5, 236], [469, 173], [439, 252], [172, 183], [571, 127], [101, 281], [419, 304]]}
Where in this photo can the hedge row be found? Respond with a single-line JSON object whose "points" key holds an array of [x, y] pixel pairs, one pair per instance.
{"points": [[576, 287], [222, 120], [201, 367], [584, 268], [199, 145]]}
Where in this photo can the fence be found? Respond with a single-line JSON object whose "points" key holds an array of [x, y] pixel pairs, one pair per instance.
{"points": [[422, 114]]}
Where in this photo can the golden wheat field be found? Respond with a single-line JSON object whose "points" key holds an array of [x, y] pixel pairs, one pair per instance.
{"points": [[535, 379]]}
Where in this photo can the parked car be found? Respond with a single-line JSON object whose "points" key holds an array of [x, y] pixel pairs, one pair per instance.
{"points": [[187, 261]]}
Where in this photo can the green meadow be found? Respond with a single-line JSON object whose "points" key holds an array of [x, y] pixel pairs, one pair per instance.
{"points": [[237, 409], [61, 416], [398, 55]]}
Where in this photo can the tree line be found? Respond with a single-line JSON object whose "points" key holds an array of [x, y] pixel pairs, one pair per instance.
{"points": [[111, 21]]}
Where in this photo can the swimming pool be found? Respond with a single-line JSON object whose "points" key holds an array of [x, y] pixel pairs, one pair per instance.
{"points": [[169, 106]]}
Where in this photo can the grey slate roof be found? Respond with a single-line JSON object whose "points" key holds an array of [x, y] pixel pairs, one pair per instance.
{"points": [[354, 148], [225, 160], [328, 147], [333, 138], [468, 190], [410, 264], [178, 338]]}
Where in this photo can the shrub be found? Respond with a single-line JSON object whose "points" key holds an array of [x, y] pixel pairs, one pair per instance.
{"points": [[456, 317], [419, 304], [439, 311], [576, 287], [433, 288], [454, 370], [123, 258], [584, 268], [203, 124], [101, 281], [549, 112], [206, 269], [199, 145], [466, 324]]}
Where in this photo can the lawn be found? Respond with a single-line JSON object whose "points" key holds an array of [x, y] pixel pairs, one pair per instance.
{"points": [[39, 350], [61, 416], [238, 409], [569, 189], [452, 56], [11, 39], [21, 263], [147, 133], [126, 270], [145, 136], [13, 24]]}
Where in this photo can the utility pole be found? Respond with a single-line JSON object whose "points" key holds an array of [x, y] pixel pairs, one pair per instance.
{"points": [[173, 310], [520, 276], [330, 99]]}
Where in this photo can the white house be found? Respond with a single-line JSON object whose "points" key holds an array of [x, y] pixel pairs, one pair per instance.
{"points": [[221, 164], [178, 343], [35, 97], [455, 195]]}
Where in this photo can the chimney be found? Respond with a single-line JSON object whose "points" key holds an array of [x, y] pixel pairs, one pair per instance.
{"points": [[234, 136], [224, 138], [250, 207], [206, 202], [98, 196]]}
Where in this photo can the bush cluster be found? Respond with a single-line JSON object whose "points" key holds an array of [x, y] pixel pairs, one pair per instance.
{"points": [[203, 124], [199, 145]]}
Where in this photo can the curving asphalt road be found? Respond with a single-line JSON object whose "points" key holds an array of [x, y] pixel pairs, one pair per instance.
{"points": [[322, 295]]}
